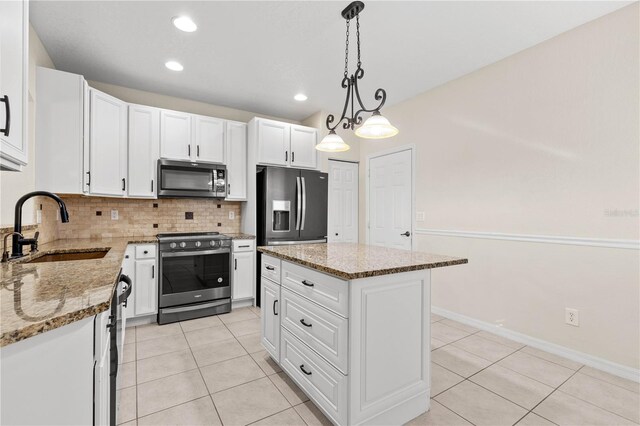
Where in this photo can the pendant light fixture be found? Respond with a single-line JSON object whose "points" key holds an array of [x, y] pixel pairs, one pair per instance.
{"points": [[376, 126]]}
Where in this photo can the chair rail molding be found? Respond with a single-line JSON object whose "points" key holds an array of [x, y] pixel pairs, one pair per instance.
{"points": [[542, 239]]}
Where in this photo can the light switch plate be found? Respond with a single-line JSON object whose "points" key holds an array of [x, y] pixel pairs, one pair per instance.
{"points": [[114, 214]]}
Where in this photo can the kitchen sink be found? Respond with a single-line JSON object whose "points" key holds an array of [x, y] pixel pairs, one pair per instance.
{"points": [[69, 255]]}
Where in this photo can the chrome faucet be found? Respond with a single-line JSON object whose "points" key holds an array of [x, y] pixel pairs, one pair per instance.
{"points": [[5, 252], [18, 239]]}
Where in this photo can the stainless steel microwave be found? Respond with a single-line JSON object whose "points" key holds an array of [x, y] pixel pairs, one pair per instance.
{"points": [[194, 180]]}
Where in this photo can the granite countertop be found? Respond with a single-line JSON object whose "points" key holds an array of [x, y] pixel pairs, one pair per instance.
{"points": [[351, 261], [240, 236], [38, 297]]}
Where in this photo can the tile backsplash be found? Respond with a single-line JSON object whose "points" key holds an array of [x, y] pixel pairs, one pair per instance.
{"points": [[91, 217]]}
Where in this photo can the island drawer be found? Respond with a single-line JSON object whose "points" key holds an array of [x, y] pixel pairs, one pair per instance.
{"points": [[146, 251], [320, 329], [327, 291], [270, 268], [243, 245], [325, 385]]}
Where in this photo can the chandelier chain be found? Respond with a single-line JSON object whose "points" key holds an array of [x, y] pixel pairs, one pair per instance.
{"points": [[358, 38], [346, 53]]}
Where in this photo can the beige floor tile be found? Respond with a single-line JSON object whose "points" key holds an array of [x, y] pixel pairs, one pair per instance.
{"points": [[126, 375], [169, 391], [287, 417], [610, 378], [513, 386], [312, 414], [460, 362], [536, 368], [459, 325], [250, 402], [288, 388], [446, 333], [484, 348], [193, 413], [435, 344], [251, 342], [155, 331], [479, 406], [161, 346], [131, 423], [564, 409], [165, 365], [197, 324], [436, 318], [442, 379], [233, 372], [241, 328], [532, 419], [266, 363], [620, 401], [241, 314], [256, 310], [215, 352], [127, 411], [552, 357], [500, 339], [438, 415], [129, 352], [129, 335], [207, 335]]}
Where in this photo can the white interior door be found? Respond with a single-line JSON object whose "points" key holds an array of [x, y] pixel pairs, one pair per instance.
{"points": [[343, 202], [390, 200]]}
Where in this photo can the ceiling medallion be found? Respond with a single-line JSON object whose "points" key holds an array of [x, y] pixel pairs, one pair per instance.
{"points": [[376, 126]]}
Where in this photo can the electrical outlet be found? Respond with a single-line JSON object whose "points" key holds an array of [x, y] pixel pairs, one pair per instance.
{"points": [[114, 214], [232, 215], [572, 317], [38, 216], [420, 216]]}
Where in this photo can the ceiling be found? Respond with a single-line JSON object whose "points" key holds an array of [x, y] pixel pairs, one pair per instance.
{"points": [[256, 56]]}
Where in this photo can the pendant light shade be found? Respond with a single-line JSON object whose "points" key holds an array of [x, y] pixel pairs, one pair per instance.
{"points": [[376, 127], [332, 143]]}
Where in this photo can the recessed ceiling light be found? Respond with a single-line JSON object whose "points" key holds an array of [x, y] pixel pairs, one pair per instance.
{"points": [[300, 97], [174, 66], [184, 23]]}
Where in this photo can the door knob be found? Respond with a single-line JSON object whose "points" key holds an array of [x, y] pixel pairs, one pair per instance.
{"points": [[406, 234]]}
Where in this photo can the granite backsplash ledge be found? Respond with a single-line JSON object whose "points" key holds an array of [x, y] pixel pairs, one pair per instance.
{"points": [[90, 217]]}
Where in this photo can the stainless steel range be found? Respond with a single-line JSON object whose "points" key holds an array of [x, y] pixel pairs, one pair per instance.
{"points": [[195, 271]]}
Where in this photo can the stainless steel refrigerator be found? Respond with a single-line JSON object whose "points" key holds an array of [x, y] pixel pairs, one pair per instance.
{"points": [[292, 209]]}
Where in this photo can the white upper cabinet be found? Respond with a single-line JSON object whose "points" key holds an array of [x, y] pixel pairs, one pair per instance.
{"points": [[144, 143], [208, 144], [107, 145], [14, 69], [303, 147], [284, 144], [236, 161], [175, 135], [273, 142]]}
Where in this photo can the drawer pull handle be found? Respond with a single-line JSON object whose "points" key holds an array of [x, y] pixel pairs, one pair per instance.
{"points": [[247, 246], [271, 268], [274, 307], [308, 283], [146, 252], [308, 373], [305, 324]]}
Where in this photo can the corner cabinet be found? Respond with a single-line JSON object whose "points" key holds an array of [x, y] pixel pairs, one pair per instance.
{"points": [[284, 144], [236, 135], [14, 84]]}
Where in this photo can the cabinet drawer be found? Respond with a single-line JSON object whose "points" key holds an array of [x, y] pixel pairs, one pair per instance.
{"points": [[326, 386], [320, 329], [329, 292], [146, 251], [270, 268], [243, 245]]}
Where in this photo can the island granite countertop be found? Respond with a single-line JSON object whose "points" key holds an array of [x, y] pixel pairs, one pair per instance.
{"points": [[352, 261], [38, 297]]}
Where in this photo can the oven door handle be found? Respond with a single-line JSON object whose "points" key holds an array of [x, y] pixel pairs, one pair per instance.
{"points": [[193, 253]]}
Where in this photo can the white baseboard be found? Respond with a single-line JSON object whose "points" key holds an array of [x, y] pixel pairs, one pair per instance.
{"points": [[241, 303], [581, 357]]}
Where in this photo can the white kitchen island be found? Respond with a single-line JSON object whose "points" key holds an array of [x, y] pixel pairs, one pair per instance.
{"points": [[350, 325]]}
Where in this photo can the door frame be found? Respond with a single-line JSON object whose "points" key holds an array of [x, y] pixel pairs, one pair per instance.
{"points": [[357, 163], [411, 148]]}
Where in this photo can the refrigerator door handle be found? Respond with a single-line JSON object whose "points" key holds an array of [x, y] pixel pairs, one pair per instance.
{"points": [[298, 202], [304, 204]]}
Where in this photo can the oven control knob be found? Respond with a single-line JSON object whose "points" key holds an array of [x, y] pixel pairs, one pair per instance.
{"points": [[172, 245], [198, 243], [183, 244], [213, 243]]}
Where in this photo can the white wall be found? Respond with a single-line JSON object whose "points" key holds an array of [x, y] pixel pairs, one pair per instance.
{"points": [[545, 142]]}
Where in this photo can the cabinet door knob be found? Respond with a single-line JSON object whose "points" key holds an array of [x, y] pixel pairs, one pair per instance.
{"points": [[146, 252], [308, 283]]}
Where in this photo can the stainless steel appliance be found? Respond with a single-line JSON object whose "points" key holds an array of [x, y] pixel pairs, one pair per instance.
{"points": [[291, 209], [194, 180], [195, 276], [117, 327]]}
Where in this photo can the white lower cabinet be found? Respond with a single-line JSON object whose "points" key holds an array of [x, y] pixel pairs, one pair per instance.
{"points": [[140, 264], [270, 299], [243, 270], [102, 378]]}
